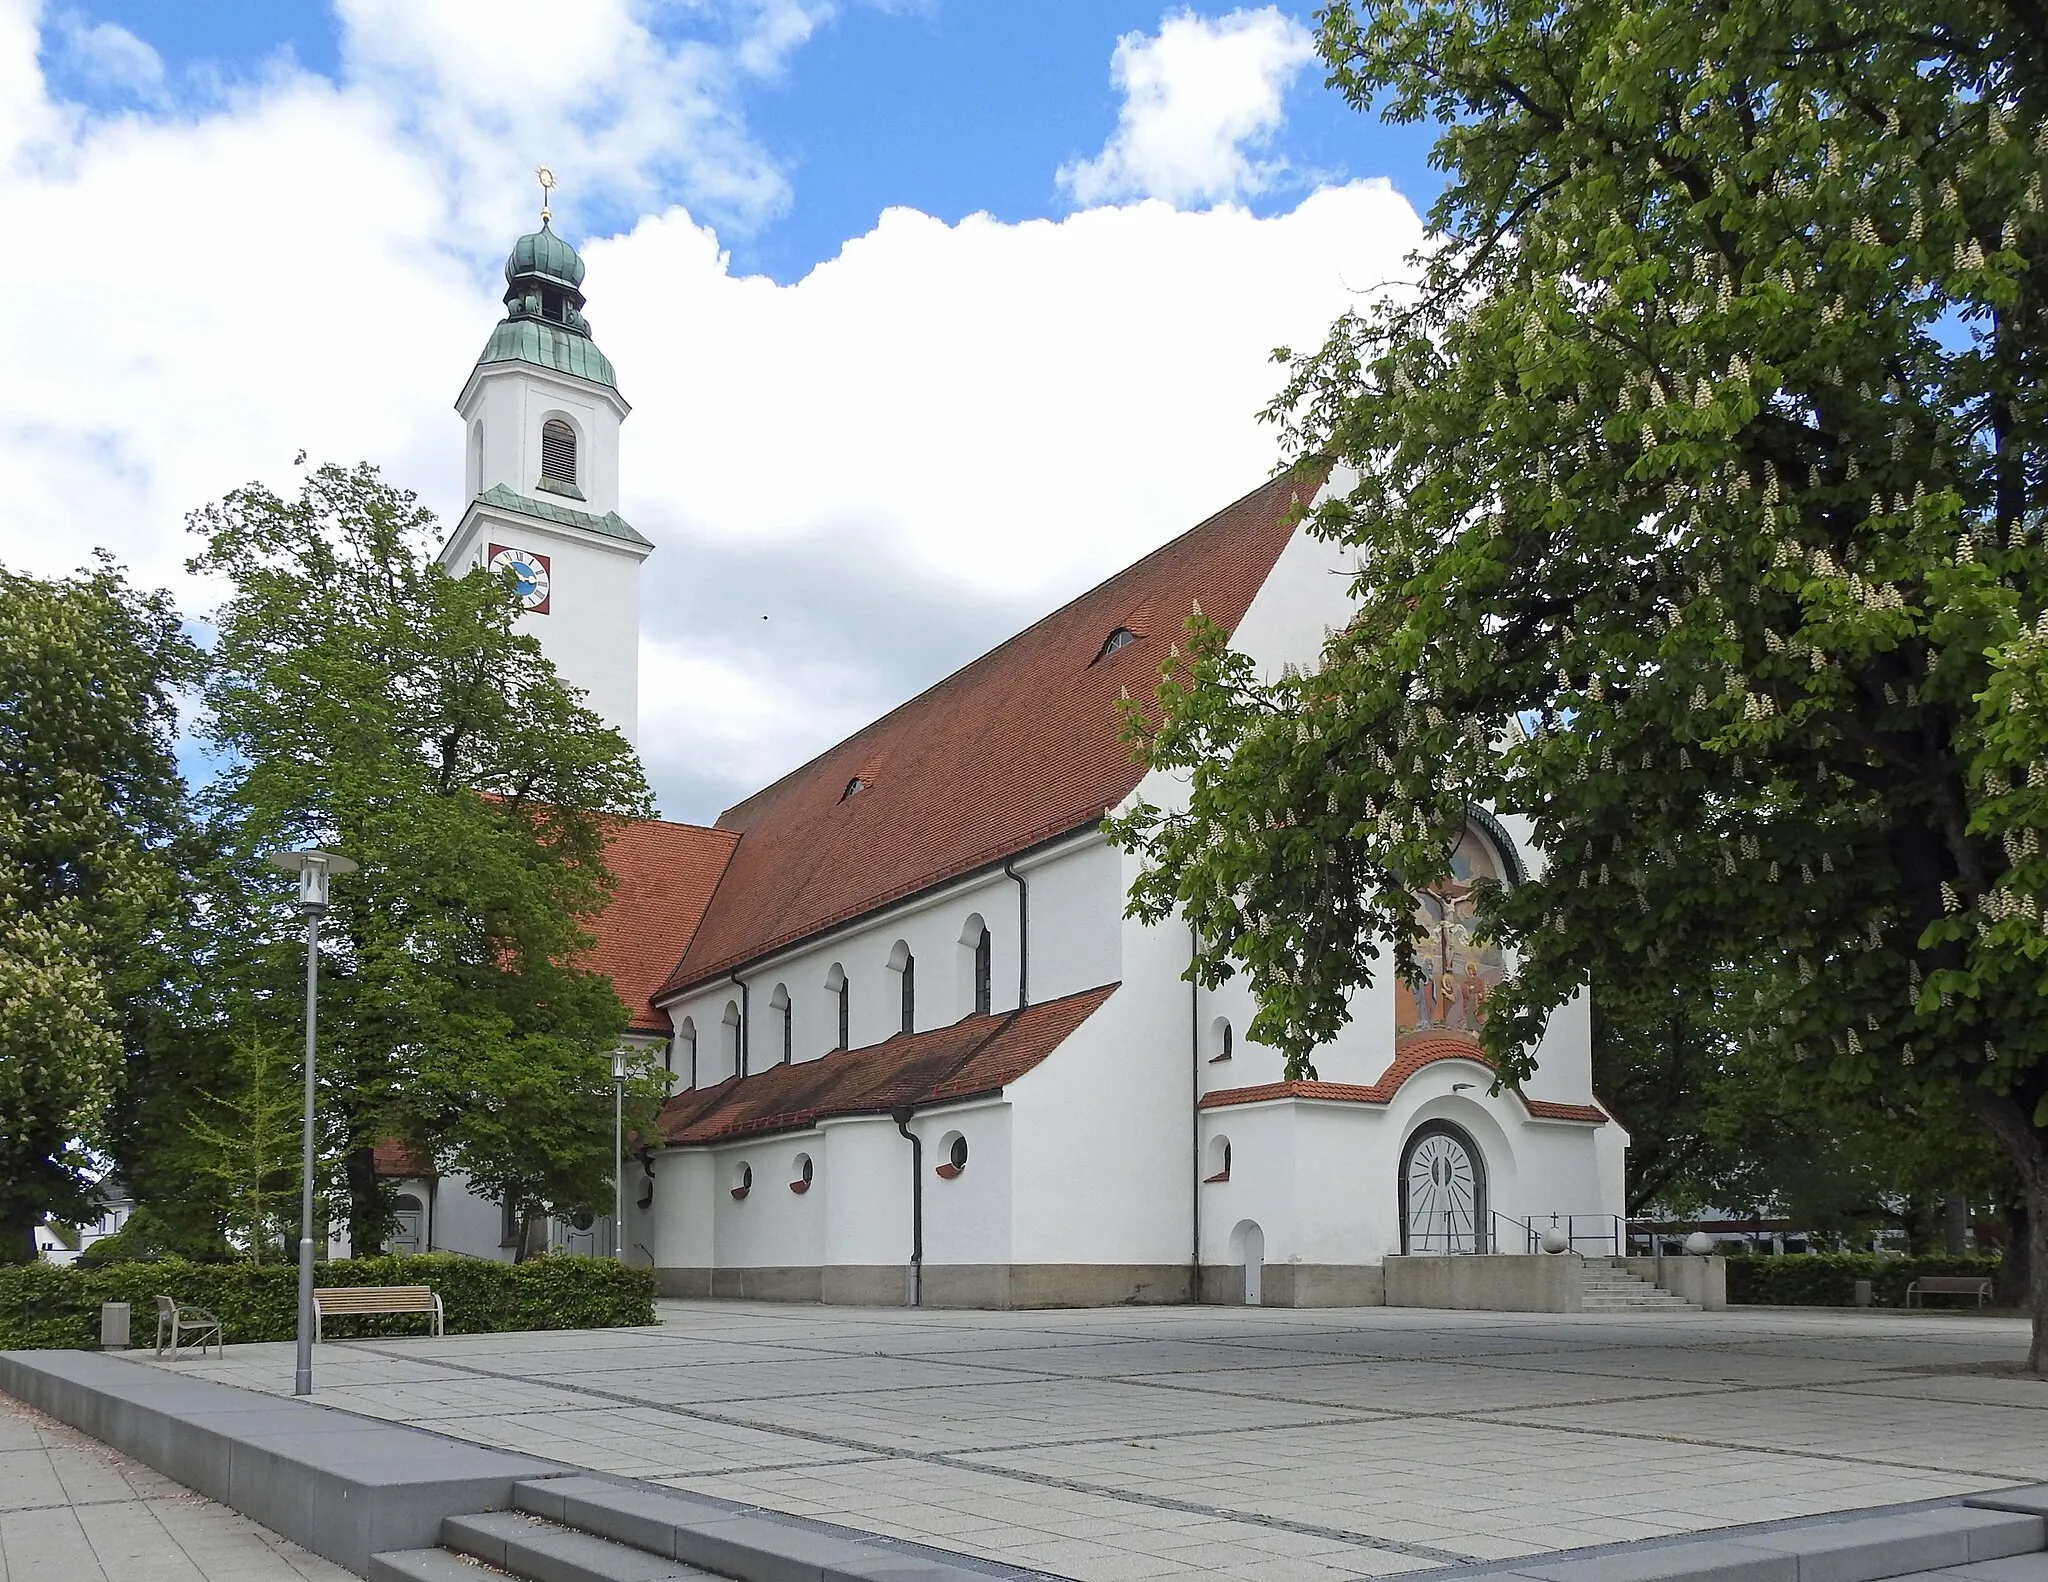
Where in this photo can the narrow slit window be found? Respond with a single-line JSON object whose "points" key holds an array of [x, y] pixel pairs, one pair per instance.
{"points": [[909, 994], [983, 959]]}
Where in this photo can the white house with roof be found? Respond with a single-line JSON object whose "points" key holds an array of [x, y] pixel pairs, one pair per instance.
{"points": [[917, 1051]]}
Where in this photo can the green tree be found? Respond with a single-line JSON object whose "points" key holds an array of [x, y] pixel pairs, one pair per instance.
{"points": [[1697, 478], [92, 813], [1659, 1051], [248, 1141], [363, 698]]}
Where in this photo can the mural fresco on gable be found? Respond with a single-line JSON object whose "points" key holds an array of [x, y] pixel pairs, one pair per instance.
{"points": [[1455, 972]]}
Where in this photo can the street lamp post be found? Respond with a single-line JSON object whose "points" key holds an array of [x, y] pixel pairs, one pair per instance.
{"points": [[314, 868], [618, 1156]]}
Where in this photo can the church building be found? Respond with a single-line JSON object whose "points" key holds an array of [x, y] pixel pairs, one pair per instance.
{"points": [[917, 1053]]}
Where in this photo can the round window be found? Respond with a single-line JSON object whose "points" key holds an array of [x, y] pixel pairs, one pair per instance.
{"points": [[742, 1181], [953, 1150], [958, 1154]]}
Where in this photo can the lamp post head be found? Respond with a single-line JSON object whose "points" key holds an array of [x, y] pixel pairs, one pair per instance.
{"points": [[618, 1065], [314, 868]]}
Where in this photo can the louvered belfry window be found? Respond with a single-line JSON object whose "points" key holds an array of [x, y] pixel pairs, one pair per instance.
{"points": [[558, 453]]}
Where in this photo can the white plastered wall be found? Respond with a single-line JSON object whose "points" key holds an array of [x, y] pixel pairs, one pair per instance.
{"points": [[1072, 892], [512, 400]]}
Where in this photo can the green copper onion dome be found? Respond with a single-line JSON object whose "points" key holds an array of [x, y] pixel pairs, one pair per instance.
{"points": [[544, 322], [546, 255]]}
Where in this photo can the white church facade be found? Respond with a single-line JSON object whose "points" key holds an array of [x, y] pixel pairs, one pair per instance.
{"points": [[917, 1052]]}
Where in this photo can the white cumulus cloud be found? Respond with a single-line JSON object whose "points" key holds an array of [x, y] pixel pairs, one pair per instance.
{"points": [[927, 441], [1202, 100]]}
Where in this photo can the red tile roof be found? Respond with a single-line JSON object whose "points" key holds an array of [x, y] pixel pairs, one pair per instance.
{"points": [[1021, 745], [974, 1056], [664, 875], [1413, 1055], [392, 1158]]}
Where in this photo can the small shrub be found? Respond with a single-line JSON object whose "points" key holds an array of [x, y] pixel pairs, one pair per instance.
{"points": [[44, 1305], [1829, 1279]]}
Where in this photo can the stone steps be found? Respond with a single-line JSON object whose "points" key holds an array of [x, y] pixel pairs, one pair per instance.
{"points": [[1609, 1289], [591, 1529]]}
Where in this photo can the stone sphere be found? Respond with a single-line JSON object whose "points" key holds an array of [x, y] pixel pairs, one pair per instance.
{"points": [[1699, 1244], [1555, 1240]]}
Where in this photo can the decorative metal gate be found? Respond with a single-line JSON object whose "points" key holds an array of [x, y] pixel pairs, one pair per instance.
{"points": [[1443, 1191]]}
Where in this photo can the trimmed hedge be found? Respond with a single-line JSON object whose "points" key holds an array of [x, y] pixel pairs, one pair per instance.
{"points": [[1829, 1279], [47, 1305]]}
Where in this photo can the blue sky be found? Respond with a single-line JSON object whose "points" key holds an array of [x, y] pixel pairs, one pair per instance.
{"points": [[950, 107], [932, 312]]}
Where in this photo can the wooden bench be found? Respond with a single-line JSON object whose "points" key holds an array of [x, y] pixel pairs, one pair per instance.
{"points": [[1948, 1285], [351, 1301], [175, 1323]]}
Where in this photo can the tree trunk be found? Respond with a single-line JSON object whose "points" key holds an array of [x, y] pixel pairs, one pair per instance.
{"points": [[365, 1208], [2037, 1265], [18, 1240], [1955, 1225], [2026, 1145], [2015, 1262]]}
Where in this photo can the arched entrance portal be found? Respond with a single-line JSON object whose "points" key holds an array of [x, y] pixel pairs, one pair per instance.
{"points": [[1443, 1191], [1248, 1250]]}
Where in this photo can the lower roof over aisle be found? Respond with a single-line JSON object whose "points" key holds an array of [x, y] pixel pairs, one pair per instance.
{"points": [[974, 1057]]}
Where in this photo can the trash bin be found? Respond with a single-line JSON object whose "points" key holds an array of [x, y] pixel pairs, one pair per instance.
{"points": [[1865, 1296], [113, 1326]]}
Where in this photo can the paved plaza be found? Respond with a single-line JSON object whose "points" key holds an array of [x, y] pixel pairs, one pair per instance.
{"points": [[1264, 1444], [71, 1510]]}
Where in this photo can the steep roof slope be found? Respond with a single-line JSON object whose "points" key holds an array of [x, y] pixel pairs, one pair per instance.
{"points": [[976, 1055], [664, 875], [1017, 747]]}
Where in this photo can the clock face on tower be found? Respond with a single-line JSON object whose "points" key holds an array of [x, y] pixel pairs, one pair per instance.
{"points": [[531, 584]]}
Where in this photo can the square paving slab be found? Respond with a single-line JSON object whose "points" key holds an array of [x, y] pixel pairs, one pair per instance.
{"points": [[1265, 1444]]}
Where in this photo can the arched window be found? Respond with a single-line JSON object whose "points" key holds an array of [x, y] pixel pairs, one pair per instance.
{"points": [[476, 458], [1220, 1041], [836, 994], [1122, 637], [731, 1050], [686, 1053], [975, 956], [779, 1003], [904, 966], [558, 455]]}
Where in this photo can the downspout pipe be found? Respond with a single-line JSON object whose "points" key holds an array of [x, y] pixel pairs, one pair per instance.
{"points": [[902, 1119], [1023, 933]]}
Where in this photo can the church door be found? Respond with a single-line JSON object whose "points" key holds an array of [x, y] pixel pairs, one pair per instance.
{"points": [[409, 1220], [1443, 1191]]}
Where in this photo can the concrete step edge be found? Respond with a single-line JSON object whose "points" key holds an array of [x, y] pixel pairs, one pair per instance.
{"points": [[1859, 1549], [421, 1565], [745, 1543], [528, 1546]]}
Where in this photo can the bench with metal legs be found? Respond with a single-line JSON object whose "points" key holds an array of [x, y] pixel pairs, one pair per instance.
{"points": [[175, 1323]]}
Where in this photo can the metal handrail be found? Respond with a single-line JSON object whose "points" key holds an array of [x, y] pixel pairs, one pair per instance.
{"points": [[1582, 1233]]}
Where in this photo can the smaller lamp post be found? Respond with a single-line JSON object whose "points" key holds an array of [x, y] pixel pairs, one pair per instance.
{"points": [[618, 1155], [314, 868]]}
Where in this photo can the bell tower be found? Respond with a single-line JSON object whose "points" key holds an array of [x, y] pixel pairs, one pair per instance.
{"points": [[541, 413]]}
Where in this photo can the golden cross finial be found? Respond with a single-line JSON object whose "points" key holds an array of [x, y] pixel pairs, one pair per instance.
{"points": [[546, 178]]}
